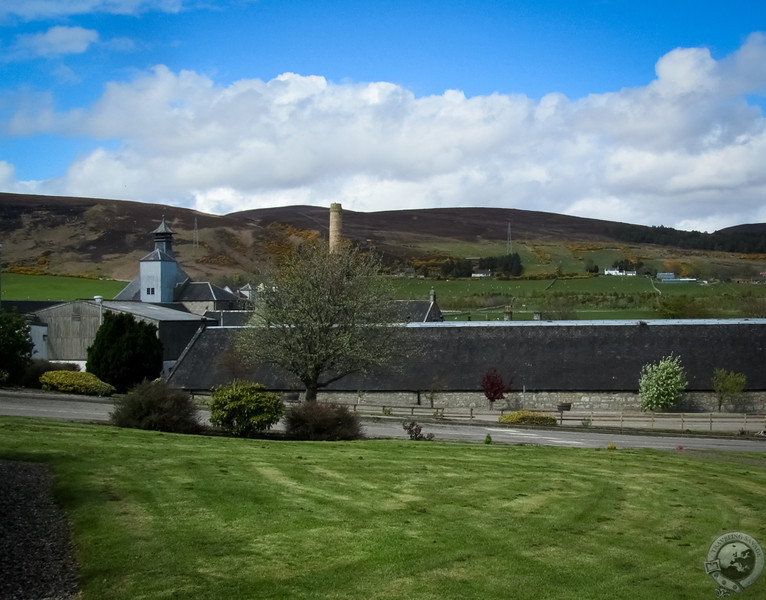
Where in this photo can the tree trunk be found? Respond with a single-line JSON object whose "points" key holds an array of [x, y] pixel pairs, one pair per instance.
{"points": [[311, 391]]}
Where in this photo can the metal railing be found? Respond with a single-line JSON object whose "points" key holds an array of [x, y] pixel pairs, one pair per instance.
{"points": [[693, 422]]}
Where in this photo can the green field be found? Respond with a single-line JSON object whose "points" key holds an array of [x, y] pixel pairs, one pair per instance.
{"points": [[601, 297], [52, 287], [168, 516]]}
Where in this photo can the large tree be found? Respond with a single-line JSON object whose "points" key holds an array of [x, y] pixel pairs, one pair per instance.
{"points": [[15, 347], [125, 351], [322, 316]]}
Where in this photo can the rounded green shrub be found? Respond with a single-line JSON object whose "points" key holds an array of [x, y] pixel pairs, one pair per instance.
{"points": [[244, 408], [527, 417], [317, 421], [75, 382], [156, 406]]}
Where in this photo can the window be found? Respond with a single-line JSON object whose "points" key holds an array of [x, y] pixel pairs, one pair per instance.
{"points": [[150, 291]]}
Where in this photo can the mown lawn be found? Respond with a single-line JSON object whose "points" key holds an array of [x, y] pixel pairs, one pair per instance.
{"points": [[168, 516]]}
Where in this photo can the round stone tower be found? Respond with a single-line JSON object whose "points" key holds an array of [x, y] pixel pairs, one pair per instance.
{"points": [[335, 227]]}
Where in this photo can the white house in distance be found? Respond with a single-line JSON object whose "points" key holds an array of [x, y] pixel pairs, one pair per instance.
{"points": [[619, 272]]}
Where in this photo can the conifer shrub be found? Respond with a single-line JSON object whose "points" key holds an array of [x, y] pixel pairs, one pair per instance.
{"points": [[156, 406], [125, 351], [38, 366], [15, 347], [244, 408], [75, 382], [317, 421], [526, 417]]}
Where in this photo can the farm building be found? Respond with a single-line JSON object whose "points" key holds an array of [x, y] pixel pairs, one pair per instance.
{"points": [[64, 332], [161, 280], [549, 357]]}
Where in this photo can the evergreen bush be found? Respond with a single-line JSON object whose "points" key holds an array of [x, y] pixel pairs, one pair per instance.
{"points": [[125, 351], [318, 421], [156, 406], [75, 382], [243, 408], [15, 347]]}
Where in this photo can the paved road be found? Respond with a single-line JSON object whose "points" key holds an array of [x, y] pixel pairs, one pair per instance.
{"points": [[77, 408], [579, 438]]}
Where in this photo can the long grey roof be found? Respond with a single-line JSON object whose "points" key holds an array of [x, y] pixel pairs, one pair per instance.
{"points": [[553, 356], [147, 310]]}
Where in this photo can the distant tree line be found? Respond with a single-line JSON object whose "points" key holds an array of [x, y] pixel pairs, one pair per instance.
{"points": [[745, 242], [510, 264]]}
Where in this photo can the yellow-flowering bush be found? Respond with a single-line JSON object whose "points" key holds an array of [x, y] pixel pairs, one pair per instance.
{"points": [[75, 382], [527, 417]]}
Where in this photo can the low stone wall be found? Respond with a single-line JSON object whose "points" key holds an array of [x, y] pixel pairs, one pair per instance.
{"points": [[749, 402]]}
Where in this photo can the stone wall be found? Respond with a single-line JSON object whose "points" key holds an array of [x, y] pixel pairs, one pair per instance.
{"points": [[750, 402]]}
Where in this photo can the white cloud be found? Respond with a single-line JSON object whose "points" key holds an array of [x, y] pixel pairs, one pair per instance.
{"points": [[46, 9], [57, 41], [684, 150]]}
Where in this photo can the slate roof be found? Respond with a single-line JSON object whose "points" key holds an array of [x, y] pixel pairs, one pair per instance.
{"points": [[163, 227], [157, 312], [417, 311], [545, 356], [158, 255], [202, 291], [26, 307]]}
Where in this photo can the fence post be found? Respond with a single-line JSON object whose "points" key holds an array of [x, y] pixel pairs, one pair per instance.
{"points": [[471, 413], [622, 416], [682, 421], [745, 425], [711, 421], [652, 419]]}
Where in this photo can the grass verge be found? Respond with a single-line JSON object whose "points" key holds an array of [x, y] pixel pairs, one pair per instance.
{"points": [[169, 516]]}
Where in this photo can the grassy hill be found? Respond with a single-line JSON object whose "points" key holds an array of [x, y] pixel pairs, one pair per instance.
{"points": [[107, 238]]}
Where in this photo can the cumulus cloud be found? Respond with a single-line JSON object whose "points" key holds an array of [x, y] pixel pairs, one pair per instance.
{"points": [[685, 150], [57, 41]]}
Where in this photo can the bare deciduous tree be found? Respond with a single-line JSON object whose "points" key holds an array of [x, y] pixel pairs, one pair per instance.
{"points": [[323, 316]]}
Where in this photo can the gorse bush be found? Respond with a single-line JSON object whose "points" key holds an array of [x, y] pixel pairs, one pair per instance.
{"points": [[318, 421], [37, 367], [243, 408], [156, 406], [662, 384], [526, 417], [75, 382]]}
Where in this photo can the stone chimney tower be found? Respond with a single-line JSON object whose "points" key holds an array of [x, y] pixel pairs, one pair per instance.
{"points": [[335, 227]]}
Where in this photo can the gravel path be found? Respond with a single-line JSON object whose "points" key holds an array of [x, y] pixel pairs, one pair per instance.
{"points": [[36, 559]]}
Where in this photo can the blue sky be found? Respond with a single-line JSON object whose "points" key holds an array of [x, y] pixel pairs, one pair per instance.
{"points": [[645, 112]]}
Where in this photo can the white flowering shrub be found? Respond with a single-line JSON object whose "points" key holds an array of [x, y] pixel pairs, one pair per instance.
{"points": [[662, 384]]}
